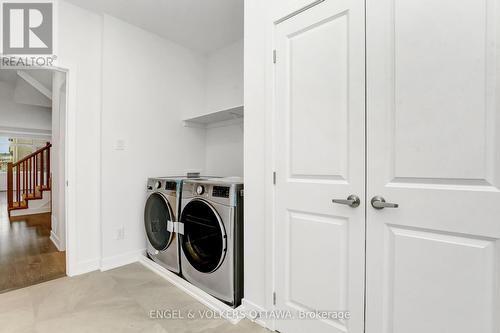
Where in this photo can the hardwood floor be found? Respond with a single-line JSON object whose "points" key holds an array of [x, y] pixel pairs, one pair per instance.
{"points": [[27, 255]]}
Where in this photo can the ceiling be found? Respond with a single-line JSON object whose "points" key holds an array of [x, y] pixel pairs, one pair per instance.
{"points": [[201, 25]]}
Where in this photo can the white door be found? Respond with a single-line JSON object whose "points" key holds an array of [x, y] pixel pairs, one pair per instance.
{"points": [[320, 156], [433, 125]]}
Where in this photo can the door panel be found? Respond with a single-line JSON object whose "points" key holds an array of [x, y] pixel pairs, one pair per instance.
{"points": [[425, 268], [439, 77], [319, 133], [433, 148], [318, 100], [329, 235]]}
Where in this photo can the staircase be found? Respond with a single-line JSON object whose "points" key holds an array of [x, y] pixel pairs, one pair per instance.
{"points": [[28, 180]]}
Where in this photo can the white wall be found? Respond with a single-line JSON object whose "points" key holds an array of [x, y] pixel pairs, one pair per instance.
{"points": [[135, 88], [224, 90], [14, 115], [148, 85], [224, 151], [80, 46], [224, 80], [258, 259], [25, 93]]}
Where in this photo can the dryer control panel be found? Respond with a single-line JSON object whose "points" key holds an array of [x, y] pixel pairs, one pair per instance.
{"points": [[221, 191], [215, 190]]}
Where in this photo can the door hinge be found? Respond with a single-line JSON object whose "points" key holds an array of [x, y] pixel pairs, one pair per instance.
{"points": [[274, 177], [274, 56], [274, 298]]}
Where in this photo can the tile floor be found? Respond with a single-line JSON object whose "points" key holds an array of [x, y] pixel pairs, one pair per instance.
{"points": [[118, 300]]}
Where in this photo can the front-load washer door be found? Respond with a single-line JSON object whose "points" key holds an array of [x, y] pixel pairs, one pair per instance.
{"points": [[204, 242], [157, 215]]}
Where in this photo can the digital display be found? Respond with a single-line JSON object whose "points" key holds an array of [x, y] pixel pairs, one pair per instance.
{"points": [[171, 186], [220, 191]]}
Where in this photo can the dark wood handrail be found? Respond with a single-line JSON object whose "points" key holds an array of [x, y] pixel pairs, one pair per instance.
{"points": [[47, 146], [35, 178]]}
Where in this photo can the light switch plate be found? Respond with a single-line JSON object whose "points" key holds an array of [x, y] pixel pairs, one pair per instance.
{"points": [[120, 144]]}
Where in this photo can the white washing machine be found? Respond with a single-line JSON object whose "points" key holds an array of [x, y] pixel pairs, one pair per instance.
{"points": [[211, 237]]}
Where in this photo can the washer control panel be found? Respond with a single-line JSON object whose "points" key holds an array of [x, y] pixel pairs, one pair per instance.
{"points": [[200, 189], [170, 186]]}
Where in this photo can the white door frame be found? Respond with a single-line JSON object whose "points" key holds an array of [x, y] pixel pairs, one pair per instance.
{"points": [[70, 169]]}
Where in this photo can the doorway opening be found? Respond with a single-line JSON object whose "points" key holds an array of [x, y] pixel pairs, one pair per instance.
{"points": [[32, 176]]}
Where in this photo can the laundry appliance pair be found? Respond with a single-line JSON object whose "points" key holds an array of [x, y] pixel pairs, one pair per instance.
{"points": [[194, 228]]}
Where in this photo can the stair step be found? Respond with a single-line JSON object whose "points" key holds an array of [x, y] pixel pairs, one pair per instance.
{"points": [[30, 196], [19, 205], [37, 195]]}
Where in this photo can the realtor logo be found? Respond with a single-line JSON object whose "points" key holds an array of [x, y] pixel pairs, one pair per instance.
{"points": [[27, 28]]}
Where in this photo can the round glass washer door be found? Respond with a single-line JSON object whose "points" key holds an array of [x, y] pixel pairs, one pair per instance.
{"points": [[204, 240], [157, 213]]}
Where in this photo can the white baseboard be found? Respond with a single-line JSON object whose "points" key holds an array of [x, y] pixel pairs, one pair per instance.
{"points": [[213, 303], [252, 311], [30, 211], [84, 267], [121, 259], [53, 222], [56, 241]]}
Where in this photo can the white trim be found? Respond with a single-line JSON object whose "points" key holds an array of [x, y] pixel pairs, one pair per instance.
{"points": [[30, 211], [195, 292], [101, 108], [84, 267], [72, 266], [121, 260], [270, 167], [26, 132], [250, 309], [55, 240]]}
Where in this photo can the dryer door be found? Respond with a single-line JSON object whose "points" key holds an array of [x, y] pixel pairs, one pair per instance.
{"points": [[157, 218], [204, 242]]}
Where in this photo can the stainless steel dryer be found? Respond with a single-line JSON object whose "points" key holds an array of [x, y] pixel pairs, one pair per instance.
{"points": [[160, 213], [211, 237]]}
